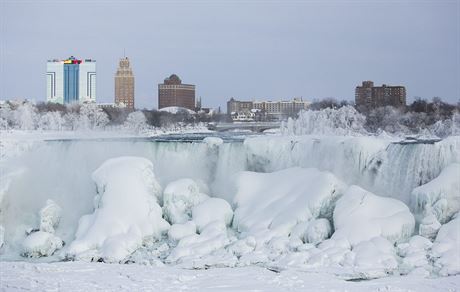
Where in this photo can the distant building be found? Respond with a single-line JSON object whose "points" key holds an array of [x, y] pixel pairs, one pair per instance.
{"points": [[71, 81], [124, 84], [236, 106], [369, 96], [173, 93], [271, 110]]}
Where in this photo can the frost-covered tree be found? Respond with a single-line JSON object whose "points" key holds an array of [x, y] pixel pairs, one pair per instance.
{"points": [[136, 121], [25, 116], [92, 117], [343, 121], [51, 121]]}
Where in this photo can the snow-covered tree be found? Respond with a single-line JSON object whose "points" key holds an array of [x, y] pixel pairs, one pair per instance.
{"points": [[136, 121], [92, 117], [25, 116], [343, 121], [51, 121]]}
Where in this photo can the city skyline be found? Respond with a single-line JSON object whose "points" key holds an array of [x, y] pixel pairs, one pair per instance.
{"points": [[246, 50]]}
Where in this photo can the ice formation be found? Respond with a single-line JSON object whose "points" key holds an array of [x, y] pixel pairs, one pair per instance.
{"points": [[360, 215], [441, 195], [292, 204], [278, 201], [212, 209], [50, 216], [178, 231], [41, 244], [126, 211], [446, 248], [179, 198]]}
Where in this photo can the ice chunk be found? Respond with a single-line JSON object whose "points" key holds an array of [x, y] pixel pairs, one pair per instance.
{"points": [[212, 209], [374, 258], [213, 142], [442, 194], [279, 200], [179, 198], [50, 216], [360, 215], [429, 226], [212, 238], [446, 248], [41, 244], [179, 231], [414, 255], [317, 231], [126, 211]]}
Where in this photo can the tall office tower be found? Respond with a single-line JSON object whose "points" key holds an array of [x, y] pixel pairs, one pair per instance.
{"points": [[173, 93], [71, 81], [124, 84]]}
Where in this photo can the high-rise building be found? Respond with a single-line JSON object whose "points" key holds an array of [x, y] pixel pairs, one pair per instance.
{"points": [[173, 93], [124, 84], [71, 81], [368, 96]]}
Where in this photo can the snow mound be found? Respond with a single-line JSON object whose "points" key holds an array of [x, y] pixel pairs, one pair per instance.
{"points": [[374, 258], [278, 201], [126, 211], [179, 198], [176, 109], [179, 231], [50, 216], [41, 244], [360, 215], [213, 209], [446, 248], [441, 194], [191, 248]]}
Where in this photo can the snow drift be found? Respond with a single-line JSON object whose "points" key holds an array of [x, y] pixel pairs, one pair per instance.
{"points": [[360, 215], [278, 201], [126, 211]]}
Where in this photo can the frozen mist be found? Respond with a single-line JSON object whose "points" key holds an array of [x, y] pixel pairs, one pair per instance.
{"points": [[281, 211]]}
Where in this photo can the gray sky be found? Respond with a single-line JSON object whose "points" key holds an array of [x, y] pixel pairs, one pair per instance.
{"points": [[242, 49]]}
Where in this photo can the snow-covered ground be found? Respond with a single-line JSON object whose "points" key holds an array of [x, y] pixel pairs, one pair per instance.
{"points": [[79, 276]]}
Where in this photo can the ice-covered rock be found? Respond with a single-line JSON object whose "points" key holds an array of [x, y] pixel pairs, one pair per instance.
{"points": [[179, 198], [414, 255], [318, 230], [179, 231], [360, 216], [190, 248], [374, 258], [212, 209], [280, 200], [429, 226], [446, 248], [126, 211], [41, 244], [50, 216], [441, 194]]}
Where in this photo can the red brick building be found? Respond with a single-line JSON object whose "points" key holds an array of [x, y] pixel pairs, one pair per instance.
{"points": [[368, 96], [173, 93]]}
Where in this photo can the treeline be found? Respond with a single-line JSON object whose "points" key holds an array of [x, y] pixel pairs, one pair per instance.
{"points": [[51, 116], [414, 118]]}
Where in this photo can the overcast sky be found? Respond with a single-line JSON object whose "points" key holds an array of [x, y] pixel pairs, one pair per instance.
{"points": [[242, 49]]}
